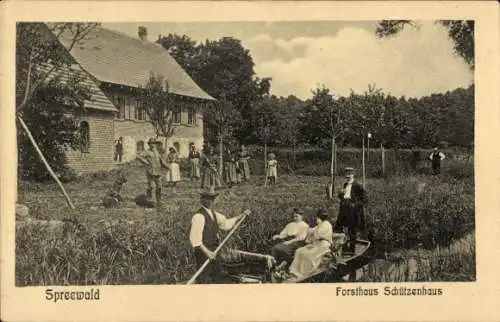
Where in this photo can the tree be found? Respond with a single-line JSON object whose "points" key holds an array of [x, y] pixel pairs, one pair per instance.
{"points": [[41, 59], [224, 117], [46, 114], [460, 31], [222, 68], [184, 50], [40, 55], [158, 103]]}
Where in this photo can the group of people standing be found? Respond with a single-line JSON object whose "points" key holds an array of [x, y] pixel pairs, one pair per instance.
{"points": [[205, 167]]}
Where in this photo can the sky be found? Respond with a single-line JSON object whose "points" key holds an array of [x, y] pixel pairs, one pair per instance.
{"points": [[340, 55]]}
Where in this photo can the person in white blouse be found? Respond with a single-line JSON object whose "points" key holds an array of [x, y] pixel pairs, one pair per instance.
{"points": [[291, 237], [436, 157], [205, 226], [319, 240], [272, 168]]}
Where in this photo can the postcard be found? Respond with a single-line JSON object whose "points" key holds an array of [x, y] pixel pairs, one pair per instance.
{"points": [[250, 161]]}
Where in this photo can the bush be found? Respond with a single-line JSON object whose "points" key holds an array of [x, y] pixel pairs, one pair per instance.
{"points": [[404, 217]]}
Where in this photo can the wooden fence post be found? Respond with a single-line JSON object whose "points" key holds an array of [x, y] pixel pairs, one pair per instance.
{"points": [[40, 154], [382, 150], [363, 162], [265, 163]]}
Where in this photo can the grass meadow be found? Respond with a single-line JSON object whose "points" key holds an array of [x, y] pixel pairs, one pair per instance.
{"points": [[423, 226]]}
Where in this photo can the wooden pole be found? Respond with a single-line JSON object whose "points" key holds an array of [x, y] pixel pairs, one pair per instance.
{"points": [[211, 166], [363, 161], [382, 150], [265, 163], [221, 153], [49, 169], [335, 160], [333, 168], [200, 270], [332, 165], [368, 149]]}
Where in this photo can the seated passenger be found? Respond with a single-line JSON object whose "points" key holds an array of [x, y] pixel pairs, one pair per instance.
{"points": [[308, 258], [291, 238]]}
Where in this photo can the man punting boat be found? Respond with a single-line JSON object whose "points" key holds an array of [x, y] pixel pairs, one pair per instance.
{"points": [[204, 236]]}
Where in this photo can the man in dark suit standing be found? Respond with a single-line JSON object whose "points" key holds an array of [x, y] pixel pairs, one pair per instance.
{"points": [[351, 214]]}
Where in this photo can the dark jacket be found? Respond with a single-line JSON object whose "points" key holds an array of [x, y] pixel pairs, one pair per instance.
{"points": [[210, 230], [351, 213]]}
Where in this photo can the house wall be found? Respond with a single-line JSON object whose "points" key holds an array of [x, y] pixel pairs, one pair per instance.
{"points": [[100, 153], [135, 128]]}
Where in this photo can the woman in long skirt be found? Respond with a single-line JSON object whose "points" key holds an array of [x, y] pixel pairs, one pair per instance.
{"points": [[229, 167], [209, 167], [174, 173], [244, 156], [309, 258], [194, 163]]}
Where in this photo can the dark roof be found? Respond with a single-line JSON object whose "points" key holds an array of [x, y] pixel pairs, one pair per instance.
{"points": [[98, 100], [113, 57]]}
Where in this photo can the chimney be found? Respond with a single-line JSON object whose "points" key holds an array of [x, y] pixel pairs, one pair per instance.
{"points": [[143, 33]]}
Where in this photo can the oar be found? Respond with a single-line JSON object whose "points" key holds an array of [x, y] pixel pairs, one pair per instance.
{"points": [[200, 270]]}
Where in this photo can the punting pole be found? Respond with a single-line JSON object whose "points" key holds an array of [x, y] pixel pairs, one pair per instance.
{"points": [[200, 270]]}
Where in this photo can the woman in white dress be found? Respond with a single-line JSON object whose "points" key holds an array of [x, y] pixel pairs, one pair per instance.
{"points": [[272, 168], [320, 239], [174, 173]]}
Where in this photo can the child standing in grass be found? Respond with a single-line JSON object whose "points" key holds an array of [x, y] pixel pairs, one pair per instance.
{"points": [[272, 168]]}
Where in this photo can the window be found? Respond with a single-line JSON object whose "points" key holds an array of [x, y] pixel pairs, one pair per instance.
{"points": [[139, 146], [191, 115], [84, 137], [177, 114], [130, 108], [119, 102], [140, 112]]}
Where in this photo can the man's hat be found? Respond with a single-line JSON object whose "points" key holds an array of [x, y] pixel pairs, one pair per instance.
{"points": [[151, 141], [349, 172], [209, 193]]}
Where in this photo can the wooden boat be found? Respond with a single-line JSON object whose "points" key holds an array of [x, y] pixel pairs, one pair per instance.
{"points": [[261, 268]]}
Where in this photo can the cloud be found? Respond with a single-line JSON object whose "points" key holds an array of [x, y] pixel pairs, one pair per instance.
{"points": [[413, 63]]}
